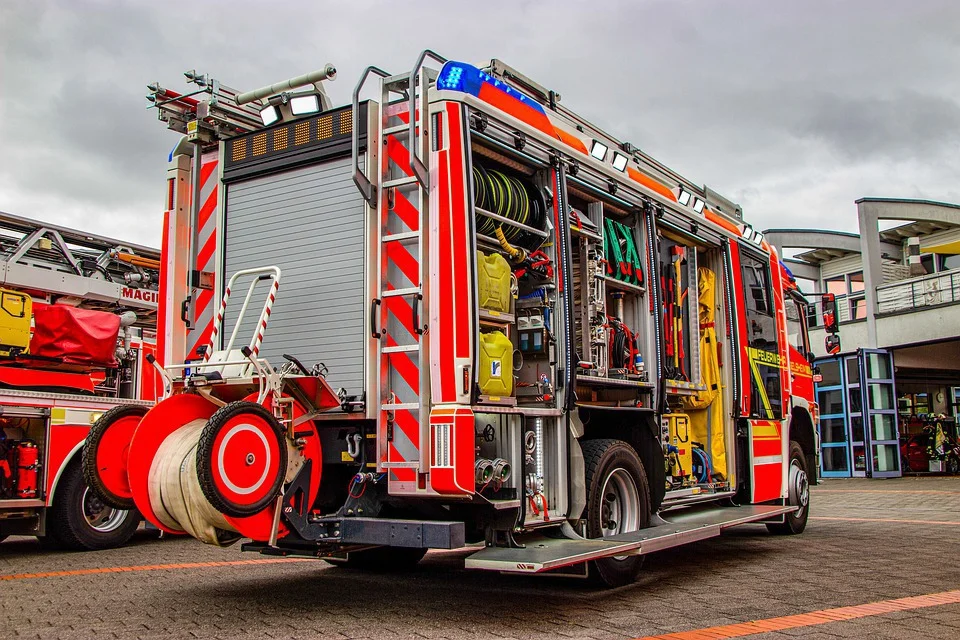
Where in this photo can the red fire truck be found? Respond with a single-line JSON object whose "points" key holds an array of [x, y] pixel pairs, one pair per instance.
{"points": [[498, 326], [77, 320]]}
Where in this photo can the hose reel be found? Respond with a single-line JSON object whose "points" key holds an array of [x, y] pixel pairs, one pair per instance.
{"points": [[513, 198]]}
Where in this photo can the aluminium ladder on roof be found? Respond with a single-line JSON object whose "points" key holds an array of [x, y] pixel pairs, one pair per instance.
{"points": [[99, 272]]}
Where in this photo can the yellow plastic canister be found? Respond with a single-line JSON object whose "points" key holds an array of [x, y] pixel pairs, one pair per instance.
{"points": [[496, 364], [493, 280]]}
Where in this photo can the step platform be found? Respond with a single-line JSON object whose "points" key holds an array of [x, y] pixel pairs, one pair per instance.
{"points": [[680, 527]]}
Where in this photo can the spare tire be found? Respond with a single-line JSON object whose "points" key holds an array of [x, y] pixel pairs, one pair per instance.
{"points": [[105, 452], [242, 459]]}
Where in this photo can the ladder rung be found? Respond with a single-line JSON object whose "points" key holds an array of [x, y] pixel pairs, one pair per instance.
{"points": [[397, 237], [399, 405], [396, 293], [400, 128], [398, 182], [401, 465], [406, 348]]}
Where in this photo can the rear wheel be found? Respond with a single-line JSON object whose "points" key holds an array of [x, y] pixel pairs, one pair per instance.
{"points": [[618, 501], [79, 520], [381, 559], [798, 486]]}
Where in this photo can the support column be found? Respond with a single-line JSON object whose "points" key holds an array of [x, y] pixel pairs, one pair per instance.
{"points": [[872, 267]]}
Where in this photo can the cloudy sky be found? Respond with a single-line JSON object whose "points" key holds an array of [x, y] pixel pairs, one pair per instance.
{"points": [[793, 109]]}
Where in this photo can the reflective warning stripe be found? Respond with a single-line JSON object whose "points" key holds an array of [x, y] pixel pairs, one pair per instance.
{"points": [[205, 244]]}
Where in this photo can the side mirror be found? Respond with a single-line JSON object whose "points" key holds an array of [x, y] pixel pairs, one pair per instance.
{"points": [[832, 344], [829, 306]]}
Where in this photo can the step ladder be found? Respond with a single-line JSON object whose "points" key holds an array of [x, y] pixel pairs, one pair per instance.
{"points": [[399, 194]]}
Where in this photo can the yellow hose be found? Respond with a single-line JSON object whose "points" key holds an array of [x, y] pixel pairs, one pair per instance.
{"points": [[516, 255]]}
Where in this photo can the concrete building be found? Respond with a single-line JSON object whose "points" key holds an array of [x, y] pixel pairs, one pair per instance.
{"points": [[898, 305]]}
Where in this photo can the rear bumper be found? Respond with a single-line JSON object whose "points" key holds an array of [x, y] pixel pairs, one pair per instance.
{"points": [[330, 535]]}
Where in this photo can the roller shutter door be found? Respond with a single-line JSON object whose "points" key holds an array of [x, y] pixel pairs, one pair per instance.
{"points": [[308, 222]]}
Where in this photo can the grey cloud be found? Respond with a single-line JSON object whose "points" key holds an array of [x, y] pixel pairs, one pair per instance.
{"points": [[794, 109]]}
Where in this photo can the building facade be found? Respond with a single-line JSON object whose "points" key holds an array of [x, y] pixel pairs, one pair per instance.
{"points": [[890, 398]]}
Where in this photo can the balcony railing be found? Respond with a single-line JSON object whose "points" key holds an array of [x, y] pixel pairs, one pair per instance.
{"points": [[917, 293]]}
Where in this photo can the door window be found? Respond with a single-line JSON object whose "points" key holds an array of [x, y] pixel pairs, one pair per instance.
{"points": [[763, 354], [795, 334]]}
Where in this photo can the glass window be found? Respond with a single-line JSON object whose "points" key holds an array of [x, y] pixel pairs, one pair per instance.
{"points": [[856, 429], [859, 459], [883, 426], [763, 352], [830, 370], [795, 334], [881, 396], [856, 282], [836, 285], [831, 402], [858, 309], [856, 400], [951, 262], [885, 457], [927, 262], [878, 366], [833, 430], [853, 370], [834, 458]]}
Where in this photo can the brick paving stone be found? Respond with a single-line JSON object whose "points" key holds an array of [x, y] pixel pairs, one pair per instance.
{"points": [[745, 574]]}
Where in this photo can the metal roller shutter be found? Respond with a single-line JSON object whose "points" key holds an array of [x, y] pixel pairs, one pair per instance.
{"points": [[308, 222]]}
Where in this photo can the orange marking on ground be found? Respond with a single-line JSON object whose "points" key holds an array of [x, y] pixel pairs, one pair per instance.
{"points": [[812, 618], [946, 522], [883, 491], [148, 567]]}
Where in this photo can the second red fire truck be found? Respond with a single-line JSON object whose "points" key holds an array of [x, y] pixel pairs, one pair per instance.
{"points": [[458, 313], [77, 321]]}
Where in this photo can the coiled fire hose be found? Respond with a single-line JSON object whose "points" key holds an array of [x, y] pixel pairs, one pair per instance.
{"points": [[510, 198]]}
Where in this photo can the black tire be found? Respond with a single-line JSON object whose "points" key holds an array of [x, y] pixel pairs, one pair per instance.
{"points": [[386, 559], [205, 457], [617, 461], [89, 460], [79, 521], [794, 523]]}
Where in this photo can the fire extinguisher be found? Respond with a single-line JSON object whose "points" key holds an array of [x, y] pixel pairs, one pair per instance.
{"points": [[27, 468]]}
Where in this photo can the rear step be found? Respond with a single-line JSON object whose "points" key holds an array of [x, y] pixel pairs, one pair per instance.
{"points": [[690, 525]]}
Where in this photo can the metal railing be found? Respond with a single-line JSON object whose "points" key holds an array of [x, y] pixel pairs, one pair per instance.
{"points": [[917, 293]]}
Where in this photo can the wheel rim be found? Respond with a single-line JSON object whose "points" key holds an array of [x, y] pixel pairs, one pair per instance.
{"points": [[99, 516], [620, 501], [799, 487]]}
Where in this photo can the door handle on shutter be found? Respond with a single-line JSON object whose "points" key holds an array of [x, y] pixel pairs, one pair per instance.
{"points": [[184, 310], [374, 332]]}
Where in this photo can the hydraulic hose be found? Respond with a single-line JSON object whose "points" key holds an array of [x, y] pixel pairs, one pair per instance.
{"points": [[516, 255]]}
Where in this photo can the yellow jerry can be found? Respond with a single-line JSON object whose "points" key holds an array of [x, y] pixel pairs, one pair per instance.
{"points": [[496, 364], [493, 282]]}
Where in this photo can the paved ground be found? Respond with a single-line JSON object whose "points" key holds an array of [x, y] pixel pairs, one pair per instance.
{"points": [[868, 541]]}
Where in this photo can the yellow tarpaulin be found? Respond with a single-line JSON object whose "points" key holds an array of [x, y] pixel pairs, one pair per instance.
{"points": [[706, 408]]}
